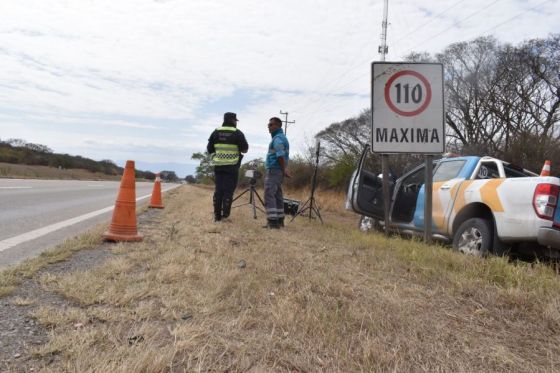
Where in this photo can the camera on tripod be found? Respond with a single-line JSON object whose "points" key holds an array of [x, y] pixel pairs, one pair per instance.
{"points": [[253, 175]]}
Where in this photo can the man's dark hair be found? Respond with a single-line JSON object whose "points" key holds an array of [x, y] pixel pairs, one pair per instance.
{"points": [[277, 120]]}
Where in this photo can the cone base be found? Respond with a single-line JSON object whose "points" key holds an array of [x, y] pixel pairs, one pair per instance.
{"points": [[108, 236], [156, 206]]}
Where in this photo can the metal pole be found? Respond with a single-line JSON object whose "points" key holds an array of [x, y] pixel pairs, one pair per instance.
{"points": [[385, 157], [383, 47], [386, 195], [314, 179], [428, 199]]}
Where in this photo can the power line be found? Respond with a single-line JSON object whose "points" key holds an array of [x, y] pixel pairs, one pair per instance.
{"points": [[362, 63], [457, 23], [430, 21], [329, 83], [515, 16], [490, 29], [338, 87], [353, 67]]}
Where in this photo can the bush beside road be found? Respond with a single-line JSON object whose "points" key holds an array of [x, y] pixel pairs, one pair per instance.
{"points": [[196, 295]]}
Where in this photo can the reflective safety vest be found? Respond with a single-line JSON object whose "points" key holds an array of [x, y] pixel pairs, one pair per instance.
{"points": [[226, 154]]}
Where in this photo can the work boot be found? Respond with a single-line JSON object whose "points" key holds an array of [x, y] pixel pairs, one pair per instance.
{"points": [[217, 209], [272, 224], [227, 207], [281, 222]]}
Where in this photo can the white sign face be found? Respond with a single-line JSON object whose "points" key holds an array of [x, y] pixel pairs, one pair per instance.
{"points": [[407, 108]]}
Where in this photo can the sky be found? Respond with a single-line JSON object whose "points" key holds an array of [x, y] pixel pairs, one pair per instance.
{"points": [[149, 80]]}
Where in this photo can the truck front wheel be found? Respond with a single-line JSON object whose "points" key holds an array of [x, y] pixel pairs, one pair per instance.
{"points": [[474, 237], [367, 224]]}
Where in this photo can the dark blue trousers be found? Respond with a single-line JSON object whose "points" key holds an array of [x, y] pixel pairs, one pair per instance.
{"points": [[226, 182]]}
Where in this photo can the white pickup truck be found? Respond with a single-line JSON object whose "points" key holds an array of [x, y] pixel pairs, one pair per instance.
{"points": [[482, 204]]}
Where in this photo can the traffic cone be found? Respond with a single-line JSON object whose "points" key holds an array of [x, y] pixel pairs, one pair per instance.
{"points": [[123, 225], [546, 169], [155, 202]]}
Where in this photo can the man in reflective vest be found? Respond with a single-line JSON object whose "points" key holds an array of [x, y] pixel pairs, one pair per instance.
{"points": [[225, 146], [276, 169]]}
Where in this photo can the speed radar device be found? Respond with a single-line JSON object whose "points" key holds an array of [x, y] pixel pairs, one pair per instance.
{"points": [[252, 175]]}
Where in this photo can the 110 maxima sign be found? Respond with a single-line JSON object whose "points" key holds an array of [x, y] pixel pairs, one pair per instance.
{"points": [[407, 108]]}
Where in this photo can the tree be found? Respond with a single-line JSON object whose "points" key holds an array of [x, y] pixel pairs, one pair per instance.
{"points": [[16, 142], [345, 140], [470, 84], [205, 170], [190, 179], [501, 97], [342, 144], [38, 148], [168, 176], [501, 100]]}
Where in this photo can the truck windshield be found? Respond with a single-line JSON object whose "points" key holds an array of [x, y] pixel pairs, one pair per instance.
{"points": [[448, 170]]}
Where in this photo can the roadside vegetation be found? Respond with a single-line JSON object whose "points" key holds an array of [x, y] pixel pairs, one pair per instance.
{"points": [[196, 295], [22, 171], [20, 159]]}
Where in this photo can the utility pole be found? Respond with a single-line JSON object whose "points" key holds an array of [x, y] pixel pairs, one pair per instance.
{"points": [[285, 121], [383, 48]]}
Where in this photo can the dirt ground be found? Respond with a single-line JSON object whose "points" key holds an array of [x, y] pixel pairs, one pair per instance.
{"points": [[202, 296]]}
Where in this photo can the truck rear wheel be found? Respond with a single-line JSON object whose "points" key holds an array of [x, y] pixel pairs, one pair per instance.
{"points": [[474, 237]]}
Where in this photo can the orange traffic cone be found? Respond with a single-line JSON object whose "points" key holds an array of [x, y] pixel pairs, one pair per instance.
{"points": [[546, 169], [123, 225], [155, 202]]}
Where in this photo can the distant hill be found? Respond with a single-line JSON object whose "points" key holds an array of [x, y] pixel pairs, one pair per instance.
{"points": [[17, 151]]}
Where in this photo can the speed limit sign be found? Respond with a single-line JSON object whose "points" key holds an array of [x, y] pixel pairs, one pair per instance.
{"points": [[407, 108]]}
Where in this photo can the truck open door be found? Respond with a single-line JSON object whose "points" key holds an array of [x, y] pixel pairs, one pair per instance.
{"points": [[367, 191]]}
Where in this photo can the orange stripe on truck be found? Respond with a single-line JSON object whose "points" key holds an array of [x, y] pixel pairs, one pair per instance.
{"points": [[437, 208], [489, 194], [460, 201]]}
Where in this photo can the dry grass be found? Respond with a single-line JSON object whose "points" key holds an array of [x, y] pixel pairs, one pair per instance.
{"points": [[311, 298], [13, 276], [22, 302], [326, 200]]}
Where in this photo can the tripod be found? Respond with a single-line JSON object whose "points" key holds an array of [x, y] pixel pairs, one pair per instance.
{"points": [[311, 204], [252, 193]]}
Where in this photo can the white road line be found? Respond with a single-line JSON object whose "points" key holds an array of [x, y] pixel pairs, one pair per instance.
{"points": [[16, 187], [31, 235]]}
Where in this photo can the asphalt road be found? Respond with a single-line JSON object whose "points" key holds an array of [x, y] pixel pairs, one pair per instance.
{"points": [[38, 214]]}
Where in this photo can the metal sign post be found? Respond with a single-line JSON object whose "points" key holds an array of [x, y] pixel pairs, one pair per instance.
{"points": [[383, 50], [407, 117]]}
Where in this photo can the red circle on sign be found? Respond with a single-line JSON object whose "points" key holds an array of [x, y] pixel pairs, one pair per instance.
{"points": [[396, 109]]}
